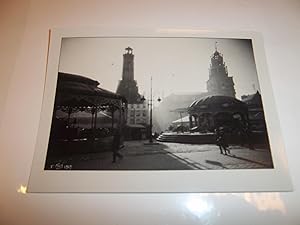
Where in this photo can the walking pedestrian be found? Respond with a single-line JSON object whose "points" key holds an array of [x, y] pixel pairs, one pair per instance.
{"points": [[221, 141], [116, 146]]}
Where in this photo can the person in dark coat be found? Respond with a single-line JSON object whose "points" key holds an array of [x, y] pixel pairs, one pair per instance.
{"points": [[116, 146], [221, 141]]}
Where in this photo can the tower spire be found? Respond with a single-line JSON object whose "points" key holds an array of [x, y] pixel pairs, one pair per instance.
{"points": [[216, 46]]}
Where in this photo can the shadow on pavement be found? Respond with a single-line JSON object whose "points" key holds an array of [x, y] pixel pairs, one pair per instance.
{"points": [[251, 161], [216, 163]]}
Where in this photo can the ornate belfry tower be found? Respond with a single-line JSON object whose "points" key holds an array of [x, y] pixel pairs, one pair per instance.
{"points": [[219, 83], [128, 86]]}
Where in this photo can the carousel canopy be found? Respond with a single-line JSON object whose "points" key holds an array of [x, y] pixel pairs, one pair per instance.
{"points": [[76, 84], [217, 103], [79, 91]]}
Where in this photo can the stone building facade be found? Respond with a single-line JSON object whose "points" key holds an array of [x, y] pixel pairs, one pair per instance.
{"points": [[138, 113]]}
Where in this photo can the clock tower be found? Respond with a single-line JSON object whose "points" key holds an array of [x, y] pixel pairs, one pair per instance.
{"points": [[128, 86]]}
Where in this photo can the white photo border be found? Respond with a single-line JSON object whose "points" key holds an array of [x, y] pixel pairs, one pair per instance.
{"points": [[237, 180]]}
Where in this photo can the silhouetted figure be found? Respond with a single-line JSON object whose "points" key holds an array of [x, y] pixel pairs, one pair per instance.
{"points": [[249, 138], [116, 146], [221, 141]]}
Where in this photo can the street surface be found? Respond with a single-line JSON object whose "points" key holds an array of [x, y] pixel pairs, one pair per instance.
{"points": [[172, 156]]}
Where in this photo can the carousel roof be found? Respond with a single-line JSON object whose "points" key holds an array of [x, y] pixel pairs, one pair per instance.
{"points": [[67, 77], [79, 85], [217, 103], [79, 91]]}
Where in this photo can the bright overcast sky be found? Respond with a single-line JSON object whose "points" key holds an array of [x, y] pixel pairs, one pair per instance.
{"points": [[177, 65]]}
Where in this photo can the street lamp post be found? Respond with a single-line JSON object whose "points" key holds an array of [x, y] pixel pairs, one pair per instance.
{"points": [[150, 104]]}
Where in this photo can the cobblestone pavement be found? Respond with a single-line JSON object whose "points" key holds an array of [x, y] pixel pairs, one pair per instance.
{"points": [[174, 156]]}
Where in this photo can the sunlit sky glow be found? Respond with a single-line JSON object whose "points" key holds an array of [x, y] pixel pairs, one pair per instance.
{"points": [[177, 65]]}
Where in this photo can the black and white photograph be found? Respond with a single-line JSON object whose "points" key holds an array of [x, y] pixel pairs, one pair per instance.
{"points": [[143, 111], [157, 103], [149, 112]]}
